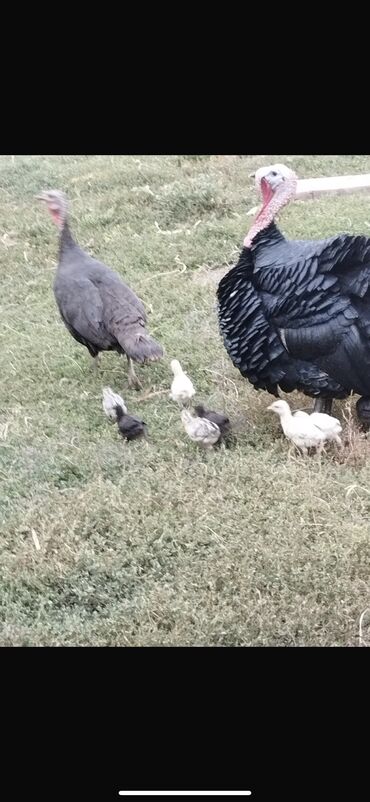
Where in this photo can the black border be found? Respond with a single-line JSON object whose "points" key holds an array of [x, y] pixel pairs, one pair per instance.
{"points": [[219, 82], [230, 107], [85, 723]]}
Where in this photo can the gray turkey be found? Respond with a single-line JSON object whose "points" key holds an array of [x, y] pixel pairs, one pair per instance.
{"points": [[96, 306], [295, 315]]}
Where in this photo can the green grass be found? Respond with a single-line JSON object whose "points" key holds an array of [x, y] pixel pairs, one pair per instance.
{"points": [[162, 544]]}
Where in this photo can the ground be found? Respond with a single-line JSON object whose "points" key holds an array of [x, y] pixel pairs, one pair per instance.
{"points": [[159, 544]]}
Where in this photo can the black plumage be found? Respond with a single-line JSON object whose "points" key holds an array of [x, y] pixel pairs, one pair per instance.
{"points": [[295, 315], [97, 307], [363, 412], [129, 426], [219, 418]]}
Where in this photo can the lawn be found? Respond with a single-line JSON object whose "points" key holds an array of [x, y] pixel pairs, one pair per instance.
{"points": [[106, 544]]}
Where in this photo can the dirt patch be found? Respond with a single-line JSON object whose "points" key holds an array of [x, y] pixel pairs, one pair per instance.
{"points": [[211, 275]]}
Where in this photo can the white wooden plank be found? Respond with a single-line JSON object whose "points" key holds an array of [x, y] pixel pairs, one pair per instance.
{"points": [[335, 185]]}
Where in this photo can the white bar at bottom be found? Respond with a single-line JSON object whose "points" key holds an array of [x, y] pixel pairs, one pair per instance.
{"points": [[184, 793]]}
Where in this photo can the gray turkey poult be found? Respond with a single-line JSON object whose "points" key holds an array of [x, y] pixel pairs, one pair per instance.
{"points": [[295, 315], [97, 307]]}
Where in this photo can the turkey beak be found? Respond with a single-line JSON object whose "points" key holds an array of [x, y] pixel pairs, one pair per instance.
{"points": [[42, 196], [252, 175]]}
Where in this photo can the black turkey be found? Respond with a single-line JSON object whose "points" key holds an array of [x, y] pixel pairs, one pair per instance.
{"points": [[97, 307], [296, 314]]}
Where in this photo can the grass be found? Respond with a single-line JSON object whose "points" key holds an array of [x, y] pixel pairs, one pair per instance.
{"points": [[103, 544]]}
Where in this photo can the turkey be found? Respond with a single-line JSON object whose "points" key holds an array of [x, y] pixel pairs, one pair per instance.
{"points": [[97, 307], [298, 428], [110, 402], [295, 315], [200, 430], [130, 427], [331, 427], [182, 388], [221, 420]]}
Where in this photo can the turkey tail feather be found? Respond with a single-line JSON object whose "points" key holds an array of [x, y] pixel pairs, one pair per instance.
{"points": [[140, 346]]}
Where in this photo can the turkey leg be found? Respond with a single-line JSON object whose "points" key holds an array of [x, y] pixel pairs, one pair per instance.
{"points": [[323, 405], [363, 412], [96, 363], [132, 377]]}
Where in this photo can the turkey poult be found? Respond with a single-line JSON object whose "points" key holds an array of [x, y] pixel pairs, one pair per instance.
{"points": [[130, 427], [200, 430], [97, 307], [222, 421], [110, 401], [296, 314], [182, 388], [299, 429], [330, 426]]}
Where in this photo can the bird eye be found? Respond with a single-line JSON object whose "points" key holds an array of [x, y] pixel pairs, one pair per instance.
{"points": [[273, 173]]}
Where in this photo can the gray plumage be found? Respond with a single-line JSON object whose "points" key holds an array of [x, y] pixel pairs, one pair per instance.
{"points": [[200, 430], [97, 307]]}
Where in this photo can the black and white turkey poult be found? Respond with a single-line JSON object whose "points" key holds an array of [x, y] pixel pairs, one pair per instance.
{"points": [[221, 420], [295, 315], [97, 307]]}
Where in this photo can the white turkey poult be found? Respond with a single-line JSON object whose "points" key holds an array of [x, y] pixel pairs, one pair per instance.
{"points": [[330, 426], [182, 388], [200, 430], [110, 401], [299, 429]]}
